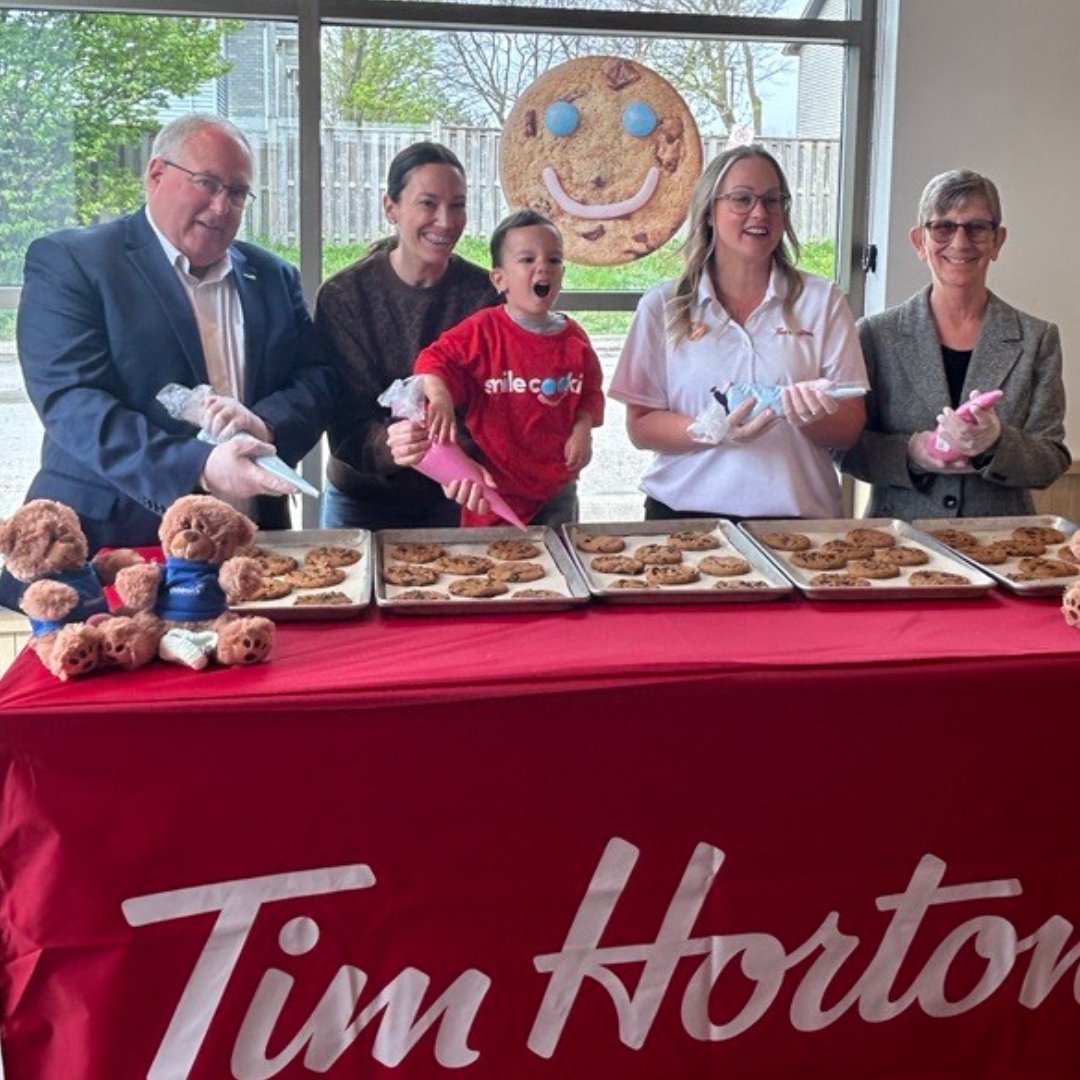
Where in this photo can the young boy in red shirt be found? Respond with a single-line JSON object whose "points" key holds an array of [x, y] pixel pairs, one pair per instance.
{"points": [[526, 377]]}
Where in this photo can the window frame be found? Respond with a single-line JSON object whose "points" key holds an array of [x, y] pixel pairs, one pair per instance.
{"points": [[857, 34]]}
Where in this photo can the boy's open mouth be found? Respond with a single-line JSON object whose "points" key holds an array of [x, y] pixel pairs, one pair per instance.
{"points": [[541, 289]]}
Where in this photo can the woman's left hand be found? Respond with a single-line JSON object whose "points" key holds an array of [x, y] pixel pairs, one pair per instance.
{"points": [[408, 442], [971, 437], [806, 403]]}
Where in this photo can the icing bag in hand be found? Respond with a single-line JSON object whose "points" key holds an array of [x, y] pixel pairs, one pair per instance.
{"points": [[938, 447], [444, 462], [184, 404], [769, 397]]}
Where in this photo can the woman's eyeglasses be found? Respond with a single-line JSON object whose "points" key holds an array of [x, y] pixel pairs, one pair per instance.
{"points": [[978, 232], [743, 202]]}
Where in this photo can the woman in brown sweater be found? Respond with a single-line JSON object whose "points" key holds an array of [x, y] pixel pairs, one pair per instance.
{"points": [[373, 318]]}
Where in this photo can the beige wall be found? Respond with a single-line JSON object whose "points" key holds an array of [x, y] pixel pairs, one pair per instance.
{"points": [[990, 85]]}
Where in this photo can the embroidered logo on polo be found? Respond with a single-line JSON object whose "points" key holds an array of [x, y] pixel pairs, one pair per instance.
{"points": [[549, 390]]}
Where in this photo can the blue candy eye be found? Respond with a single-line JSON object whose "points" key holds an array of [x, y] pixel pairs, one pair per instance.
{"points": [[562, 118], [639, 119]]}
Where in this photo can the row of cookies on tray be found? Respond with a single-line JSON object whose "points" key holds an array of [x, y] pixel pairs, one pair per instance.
{"points": [[1026, 543], [663, 562], [858, 558], [418, 565], [322, 566]]}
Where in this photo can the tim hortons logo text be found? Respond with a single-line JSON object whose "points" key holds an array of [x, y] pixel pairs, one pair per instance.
{"points": [[764, 962]]}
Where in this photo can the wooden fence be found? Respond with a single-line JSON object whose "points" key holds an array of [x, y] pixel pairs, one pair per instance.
{"points": [[355, 161]]}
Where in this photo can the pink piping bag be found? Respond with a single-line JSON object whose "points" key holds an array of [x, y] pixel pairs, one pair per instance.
{"points": [[444, 462]]}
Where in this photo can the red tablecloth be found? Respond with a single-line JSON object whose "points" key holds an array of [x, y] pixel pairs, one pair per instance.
{"points": [[758, 840]]}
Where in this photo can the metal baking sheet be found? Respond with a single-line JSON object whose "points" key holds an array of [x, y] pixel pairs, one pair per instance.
{"points": [[297, 543], [562, 575], [821, 530], [635, 533], [1000, 528]]}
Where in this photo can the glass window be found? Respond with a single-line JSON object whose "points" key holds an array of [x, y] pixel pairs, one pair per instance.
{"points": [[83, 90], [780, 9], [385, 88], [81, 95]]}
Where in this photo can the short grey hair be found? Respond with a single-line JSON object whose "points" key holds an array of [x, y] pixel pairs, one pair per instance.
{"points": [[956, 188], [170, 140]]}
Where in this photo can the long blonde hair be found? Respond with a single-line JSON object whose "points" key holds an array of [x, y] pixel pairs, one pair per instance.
{"points": [[698, 248]]}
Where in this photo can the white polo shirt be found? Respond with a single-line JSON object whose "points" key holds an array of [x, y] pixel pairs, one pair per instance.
{"points": [[781, 473]]}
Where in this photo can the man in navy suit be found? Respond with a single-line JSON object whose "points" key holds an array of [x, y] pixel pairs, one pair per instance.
{"points": [[112, 313]]}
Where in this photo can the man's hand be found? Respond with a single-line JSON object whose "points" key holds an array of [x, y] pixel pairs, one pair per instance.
{"points": [[230, 471], [225, 417]]}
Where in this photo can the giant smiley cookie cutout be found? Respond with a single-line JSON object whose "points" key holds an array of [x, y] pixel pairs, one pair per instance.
{"points": [[608, 150]]}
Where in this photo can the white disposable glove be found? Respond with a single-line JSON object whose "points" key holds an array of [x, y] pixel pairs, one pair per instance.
{"points": [[920, 457], [223, 417], [230, 471], [805, 403], [974, 437], [715, 425]]}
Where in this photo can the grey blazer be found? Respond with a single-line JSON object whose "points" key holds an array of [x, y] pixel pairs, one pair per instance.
{"points": [[1015, 352]]}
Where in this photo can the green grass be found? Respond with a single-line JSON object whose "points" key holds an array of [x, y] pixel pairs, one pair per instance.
{"points": [[818, 257]]}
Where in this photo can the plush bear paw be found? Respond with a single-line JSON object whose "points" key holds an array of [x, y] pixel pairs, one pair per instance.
{"points": [[1070, 605], [128, 643], [137, 586], [49, 600], [72, 651], [244, 641]]}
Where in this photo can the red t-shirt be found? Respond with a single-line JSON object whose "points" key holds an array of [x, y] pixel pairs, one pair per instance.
{"points": [[521, 393]]}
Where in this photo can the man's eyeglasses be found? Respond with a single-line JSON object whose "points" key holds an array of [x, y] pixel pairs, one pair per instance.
{"points": [[743, 202], [978, 232], [238, 194]]}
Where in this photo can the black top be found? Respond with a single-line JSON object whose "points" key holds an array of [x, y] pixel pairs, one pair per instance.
{"points": [[956, 366]]}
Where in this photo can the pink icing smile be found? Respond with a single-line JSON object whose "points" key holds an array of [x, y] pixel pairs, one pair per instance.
{"points": [[601, 210]]}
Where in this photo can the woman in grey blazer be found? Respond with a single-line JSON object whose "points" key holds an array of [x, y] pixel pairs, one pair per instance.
{"points": [[930, 354]]}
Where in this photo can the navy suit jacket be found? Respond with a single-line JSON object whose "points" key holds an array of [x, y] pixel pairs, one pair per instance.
{"points": [[103, 325]]}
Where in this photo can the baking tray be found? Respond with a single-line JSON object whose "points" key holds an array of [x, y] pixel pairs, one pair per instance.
{"points": [[941, 558], [297, 543], [635, 533], [999, 528], [562, 575]]}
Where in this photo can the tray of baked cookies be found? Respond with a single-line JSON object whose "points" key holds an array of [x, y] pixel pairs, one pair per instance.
{"points": [[310, 574], [865, 559], [1029, 554], [692, 560], [454, 571]]}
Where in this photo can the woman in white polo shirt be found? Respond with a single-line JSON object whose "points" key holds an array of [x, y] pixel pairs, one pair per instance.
{"points": [[741, 313]]}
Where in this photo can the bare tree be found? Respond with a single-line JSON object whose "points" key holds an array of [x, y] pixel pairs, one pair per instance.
{"points": [[720, 74], [486, 72], [477, 76]]}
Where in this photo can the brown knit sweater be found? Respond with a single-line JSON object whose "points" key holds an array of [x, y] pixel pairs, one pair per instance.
{"points": [[371, 325]]}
